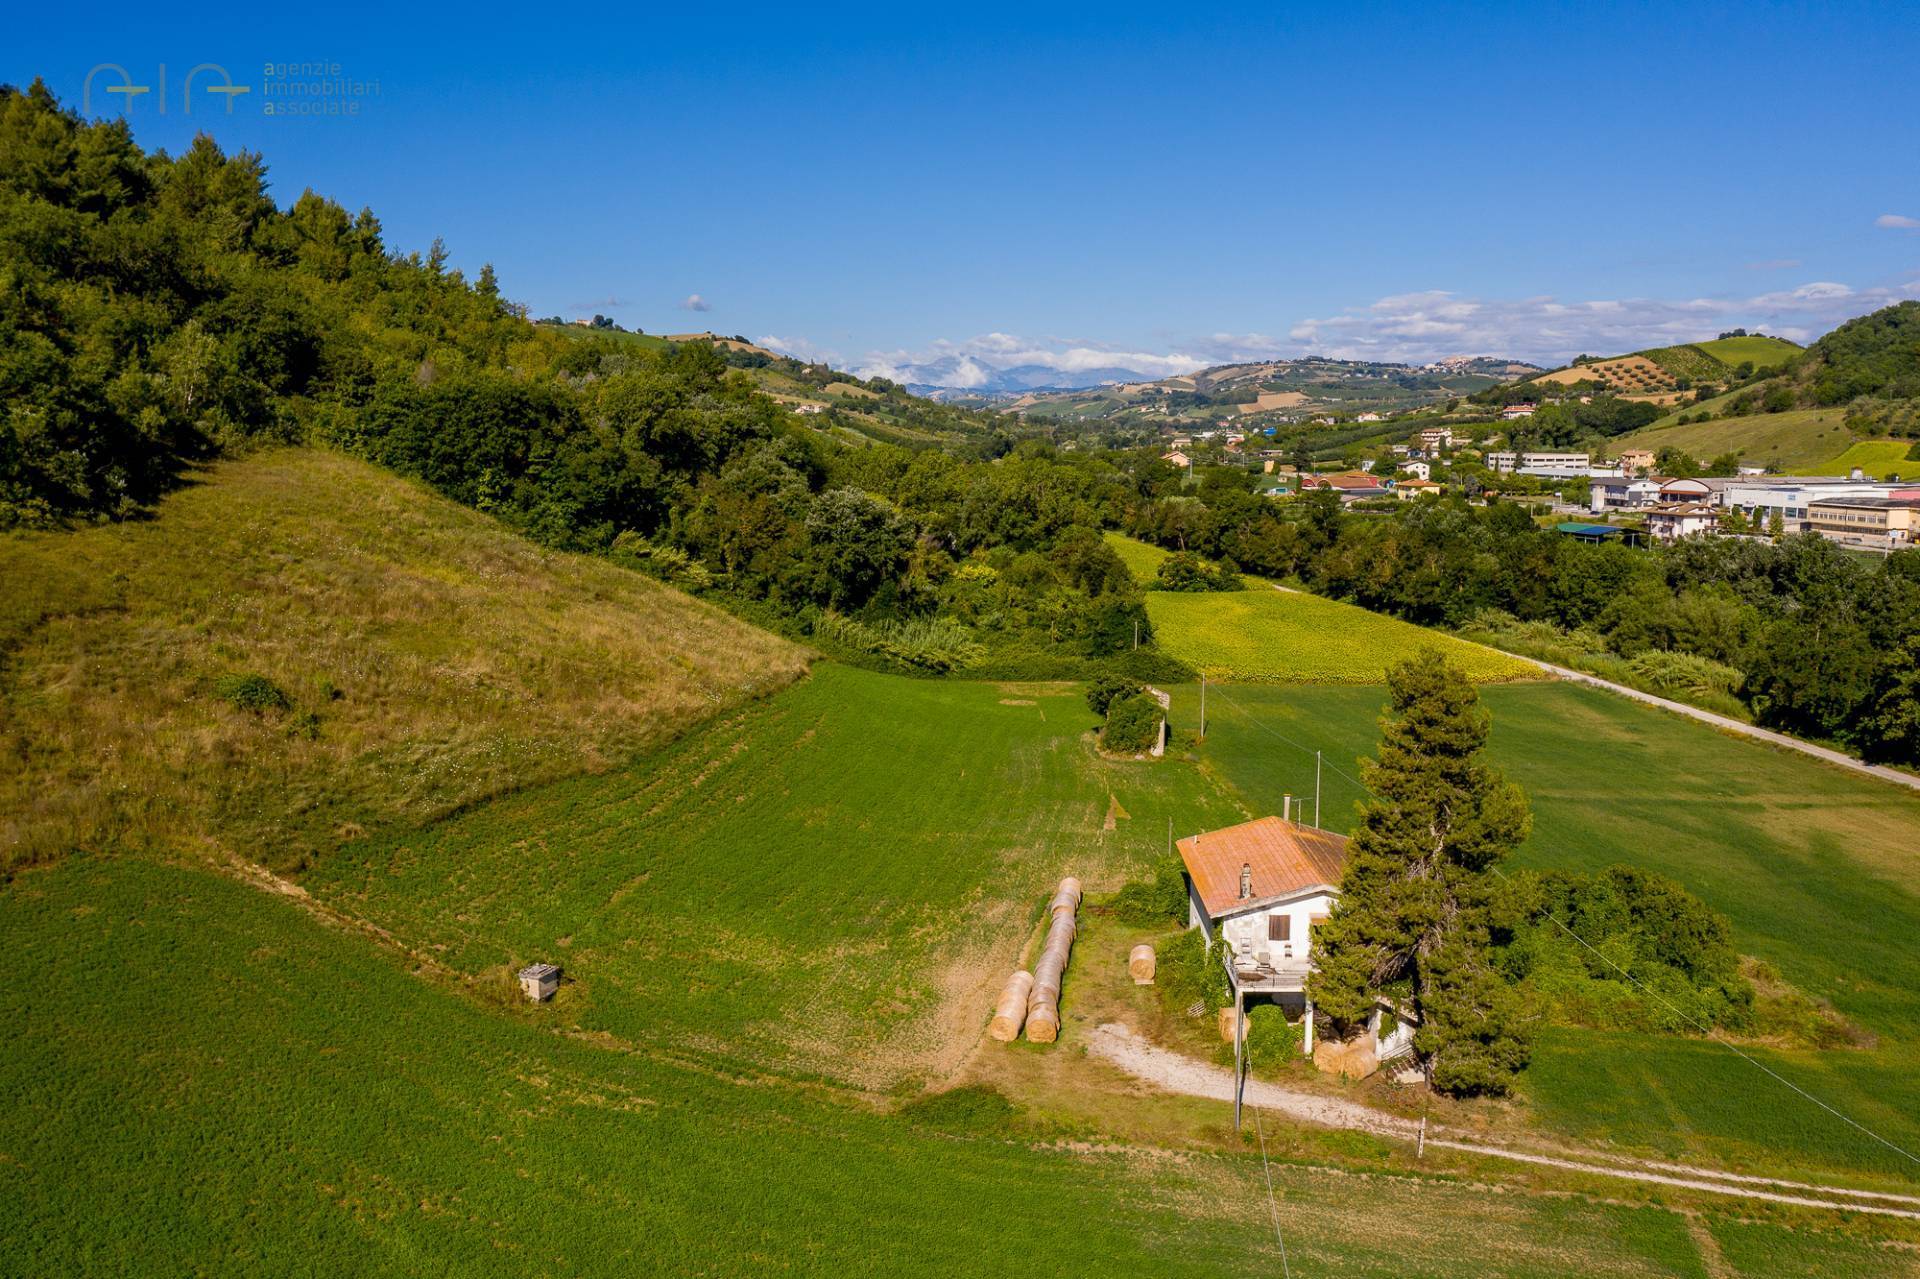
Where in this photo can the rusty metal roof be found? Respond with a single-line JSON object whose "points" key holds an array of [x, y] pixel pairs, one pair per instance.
{"points": [[1285, 859]]}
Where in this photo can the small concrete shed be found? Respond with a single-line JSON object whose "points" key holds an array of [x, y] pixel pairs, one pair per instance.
{"points": [[539, 981]]}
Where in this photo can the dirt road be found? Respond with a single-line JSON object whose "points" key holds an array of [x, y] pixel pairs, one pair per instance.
{"points": [[1122, 1047]]}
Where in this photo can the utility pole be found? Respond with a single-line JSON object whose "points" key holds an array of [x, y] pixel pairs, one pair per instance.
{"points": [[1316, 791], [1203, 706]]}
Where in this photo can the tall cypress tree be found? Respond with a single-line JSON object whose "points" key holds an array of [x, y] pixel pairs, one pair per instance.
{"points": [[1415, 915]]}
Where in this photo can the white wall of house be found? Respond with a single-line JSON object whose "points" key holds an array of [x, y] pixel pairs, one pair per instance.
{"points": [[1249, 932]]}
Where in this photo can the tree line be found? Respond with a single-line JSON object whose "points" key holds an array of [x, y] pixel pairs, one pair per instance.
{"points": [[1794, 631]]}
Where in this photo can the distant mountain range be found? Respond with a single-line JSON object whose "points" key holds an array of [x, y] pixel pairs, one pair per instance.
{"points": [[963, 377], [965, 374]]}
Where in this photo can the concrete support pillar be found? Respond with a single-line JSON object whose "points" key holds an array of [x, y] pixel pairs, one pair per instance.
{"points": [[1306, 1032]]}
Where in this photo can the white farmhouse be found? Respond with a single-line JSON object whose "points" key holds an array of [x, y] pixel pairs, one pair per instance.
{"points": [[1262, 886]]}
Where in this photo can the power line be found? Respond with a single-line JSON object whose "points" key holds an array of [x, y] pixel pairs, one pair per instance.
{"points": [[1273, 1206], [1704, 1028]]}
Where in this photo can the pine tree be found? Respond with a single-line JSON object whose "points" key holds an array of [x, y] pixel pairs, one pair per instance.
{"points": [[1415, 915]]}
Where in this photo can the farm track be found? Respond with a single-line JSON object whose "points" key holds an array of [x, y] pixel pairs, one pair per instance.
{"points": [[1728, 725], [1722, 722], [1122, 1047]]}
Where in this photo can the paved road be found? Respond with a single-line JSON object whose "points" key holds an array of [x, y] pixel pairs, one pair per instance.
{"points": [[1138, 1057]]}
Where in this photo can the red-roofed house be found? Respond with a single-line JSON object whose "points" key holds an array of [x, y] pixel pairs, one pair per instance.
{"points": [[1261, 887]]}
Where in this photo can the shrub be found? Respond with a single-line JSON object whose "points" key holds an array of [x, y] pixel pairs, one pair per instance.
{"points": [[1185, 571], [1150, 666], [937, 644], [1671, 672], [1159, 898], [1108, 688], [1188, 972], [1271, 1038], [1133, 725], [254, 693]]}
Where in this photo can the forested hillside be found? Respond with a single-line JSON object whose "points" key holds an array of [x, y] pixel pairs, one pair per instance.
{"points": [[164, 310]]}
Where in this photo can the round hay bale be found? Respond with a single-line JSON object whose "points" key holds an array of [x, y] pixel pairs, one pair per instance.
{"points": [[1140, 965], [1010, 1013], [1066, 897], [1043, 1025], [1226, 1024]]}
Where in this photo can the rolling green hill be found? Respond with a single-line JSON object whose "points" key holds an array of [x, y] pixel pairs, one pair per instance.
{"points": [[838, 404], [781, 932], [1761, 352], [1796, 442], [425, 658]]}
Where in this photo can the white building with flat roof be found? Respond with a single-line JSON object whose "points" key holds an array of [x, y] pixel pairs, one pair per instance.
{"points": [[1791, 497]]}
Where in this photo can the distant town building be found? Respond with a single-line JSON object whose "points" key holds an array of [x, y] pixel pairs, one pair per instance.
{"points": [[1513, 411], [1622, 494], [1407, 490], [1547, 465], [1418, 470], [1670, 523], [1352, 486], [1791, 498], [1879, 523], [1176, 458], [1636, 461]]}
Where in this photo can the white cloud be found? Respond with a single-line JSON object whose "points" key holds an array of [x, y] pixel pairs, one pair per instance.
{"points": [[1416, 327], [799, 348], [694, 302], [1897, 222], [1412, 328]]}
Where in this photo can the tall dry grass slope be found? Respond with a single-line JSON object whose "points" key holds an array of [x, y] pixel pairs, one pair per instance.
{"points": [[301, 648]]}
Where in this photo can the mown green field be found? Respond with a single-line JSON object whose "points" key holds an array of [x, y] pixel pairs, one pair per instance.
{"points": [[206, 1078], [1815, 867], [1791, 442], [202, 1079], [1878, 458], [1293, 637], [832, 881]]}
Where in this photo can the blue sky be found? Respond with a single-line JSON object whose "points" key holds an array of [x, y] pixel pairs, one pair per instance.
{"points": [[1074, 187]]}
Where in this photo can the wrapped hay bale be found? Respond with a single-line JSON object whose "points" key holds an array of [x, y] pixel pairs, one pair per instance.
{"points": [[1140, 965], [1010, 1013]]}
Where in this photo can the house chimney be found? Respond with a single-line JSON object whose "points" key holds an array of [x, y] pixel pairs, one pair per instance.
{"points": [[1286, 809], [1246, 880]]}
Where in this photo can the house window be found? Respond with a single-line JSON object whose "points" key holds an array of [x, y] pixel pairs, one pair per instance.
{"points": [[1279, 927]]}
